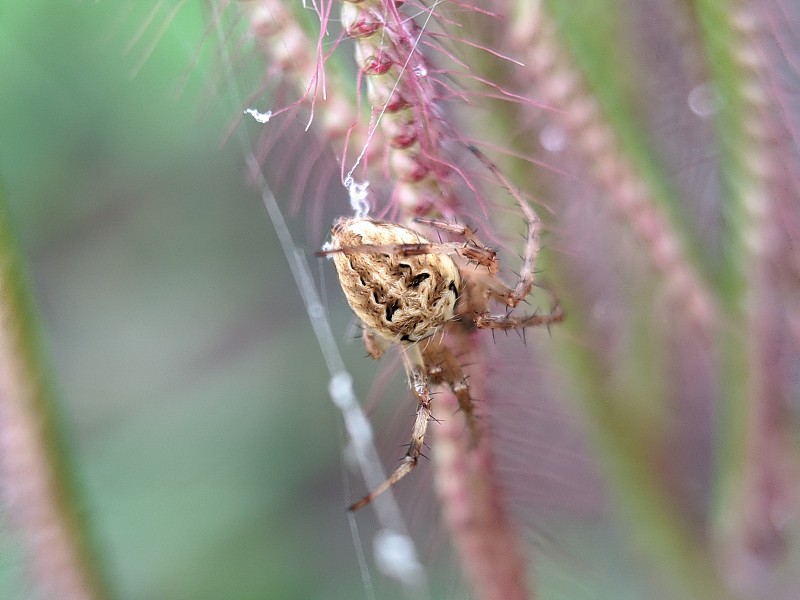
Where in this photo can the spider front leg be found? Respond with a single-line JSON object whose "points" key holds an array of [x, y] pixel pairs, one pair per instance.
{"points": [[487, 320], [472, 249], [417, 378], [512, 297], [494, 288], [526, 275]]}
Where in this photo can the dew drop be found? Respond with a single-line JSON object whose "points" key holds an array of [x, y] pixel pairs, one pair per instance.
{"points": [[703, 100], [553, 138]]}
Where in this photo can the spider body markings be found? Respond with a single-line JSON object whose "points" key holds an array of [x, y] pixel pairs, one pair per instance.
{"points": [[400, 296], [408, 290]]}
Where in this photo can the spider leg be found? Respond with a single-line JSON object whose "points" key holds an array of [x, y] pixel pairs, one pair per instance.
{"points": [[512, 297], [415, 367], [443, 367], [468, 233], [472, 250], [506, 322], [493, 287], [374, 344], [415, 249]]}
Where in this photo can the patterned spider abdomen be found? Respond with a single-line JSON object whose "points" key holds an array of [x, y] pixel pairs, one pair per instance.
{"points": [[405, 289]]}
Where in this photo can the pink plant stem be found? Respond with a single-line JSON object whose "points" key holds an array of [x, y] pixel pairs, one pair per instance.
{"points": [[764, 498], [402, 104], [473, 505], [294, 56], [33, 481], [560, 84]]}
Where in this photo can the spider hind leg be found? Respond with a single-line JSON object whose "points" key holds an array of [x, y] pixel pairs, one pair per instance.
{"points": [[445, 368], [417, 378]]}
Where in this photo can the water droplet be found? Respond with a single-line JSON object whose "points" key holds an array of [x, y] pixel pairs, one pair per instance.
{"points": [[553, 138], [703, 100]]}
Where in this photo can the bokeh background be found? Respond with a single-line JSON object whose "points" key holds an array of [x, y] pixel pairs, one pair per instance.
{"points": [[193, 399]]}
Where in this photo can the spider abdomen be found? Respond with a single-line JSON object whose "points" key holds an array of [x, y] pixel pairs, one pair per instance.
{"points": [[401, 292]]}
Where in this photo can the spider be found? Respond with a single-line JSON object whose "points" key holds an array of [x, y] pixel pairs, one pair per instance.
{"points": [[409, 291]]}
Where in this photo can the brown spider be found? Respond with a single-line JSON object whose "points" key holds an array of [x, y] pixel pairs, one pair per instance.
{"points": [[405, 289]]}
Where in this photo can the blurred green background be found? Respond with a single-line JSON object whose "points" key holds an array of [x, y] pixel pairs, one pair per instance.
{"points": [[193, 394]]}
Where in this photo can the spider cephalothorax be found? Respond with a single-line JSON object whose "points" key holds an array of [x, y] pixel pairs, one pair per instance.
{"points": [[405, 289]]}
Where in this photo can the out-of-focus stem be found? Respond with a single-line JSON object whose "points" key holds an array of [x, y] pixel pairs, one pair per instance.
{"points": [[676, 553], [402, 104], [753, 483], [561, 85], [680, 554], [474, 507], [34, 478], [294, 55]]}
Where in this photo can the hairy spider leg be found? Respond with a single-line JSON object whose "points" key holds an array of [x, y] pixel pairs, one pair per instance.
{"points": [[415, 249], [506, 322], [473, 250], [464, 231], [417, 379], [508, 296], [374, 343], [511, 297], [497, 290], [443, 367]]}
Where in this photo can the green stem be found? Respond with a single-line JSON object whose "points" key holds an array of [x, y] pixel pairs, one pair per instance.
{"points": [[731, 36], [675, 552]]}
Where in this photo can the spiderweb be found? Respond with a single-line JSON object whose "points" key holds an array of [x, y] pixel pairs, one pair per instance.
{"points": [[395, 553]]}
